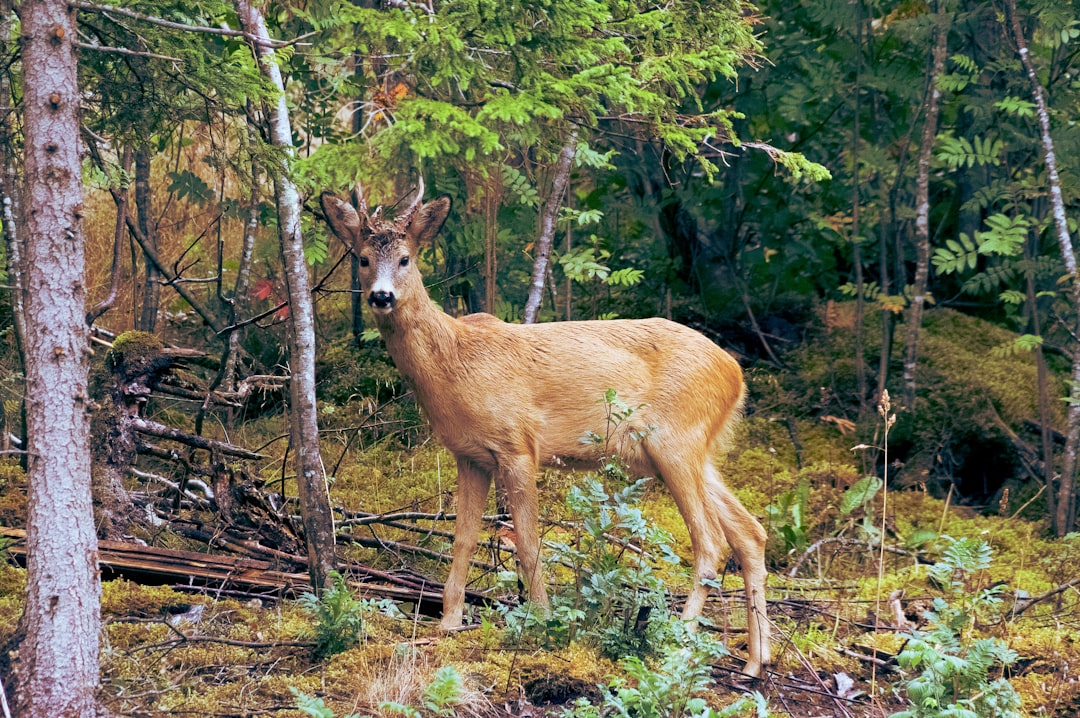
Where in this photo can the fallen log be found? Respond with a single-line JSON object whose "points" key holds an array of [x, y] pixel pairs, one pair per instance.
{"points": [[211, 572]]}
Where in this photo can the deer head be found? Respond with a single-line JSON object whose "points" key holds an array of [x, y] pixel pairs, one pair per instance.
{"points": [[385, 248]]}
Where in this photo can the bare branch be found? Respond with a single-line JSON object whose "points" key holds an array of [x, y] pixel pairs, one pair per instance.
{"points": [[162, 431]]}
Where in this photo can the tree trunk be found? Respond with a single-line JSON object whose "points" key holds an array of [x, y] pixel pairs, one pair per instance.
{"points": [[144, 207], [239, 302], [548, 219], [57, 673], [1066, 499], [119, 232], [922, 206], [311, 483], [856, 240], [1031, 250]]}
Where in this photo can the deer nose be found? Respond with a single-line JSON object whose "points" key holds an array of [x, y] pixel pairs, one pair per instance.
{"points": [[381, 300]]}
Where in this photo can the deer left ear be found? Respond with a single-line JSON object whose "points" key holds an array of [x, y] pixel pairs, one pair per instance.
{"points": [[428, 220], [342, 217]]}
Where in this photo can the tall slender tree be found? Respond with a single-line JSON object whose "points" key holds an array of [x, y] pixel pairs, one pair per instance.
{"points": [[310, 474], [58, 656], [548, 219], [1065, 515], [922, 200]]}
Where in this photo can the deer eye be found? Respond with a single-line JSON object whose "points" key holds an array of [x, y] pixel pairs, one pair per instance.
{"points": [[364, 261], [404, 262]]}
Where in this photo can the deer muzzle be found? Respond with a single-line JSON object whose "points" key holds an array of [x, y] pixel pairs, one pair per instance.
{"points": [[381, 301]]}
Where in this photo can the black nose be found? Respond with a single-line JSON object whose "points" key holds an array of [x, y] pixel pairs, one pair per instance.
{"points": [[381, 300]]}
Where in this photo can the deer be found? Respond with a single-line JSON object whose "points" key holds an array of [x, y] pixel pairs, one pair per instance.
{"points": [[506, 399]]}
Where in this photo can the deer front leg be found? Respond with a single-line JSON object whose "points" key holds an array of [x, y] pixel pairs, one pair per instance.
{"points": [[472, 491], [517, 475]]}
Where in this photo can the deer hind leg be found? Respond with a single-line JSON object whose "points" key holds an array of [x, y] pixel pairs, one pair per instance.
{"points": [[472, 491], [684, 480], [747, 539], [517, 477]]}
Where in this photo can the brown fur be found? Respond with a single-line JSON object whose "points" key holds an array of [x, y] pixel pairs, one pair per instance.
{"points": [[507, 398]]}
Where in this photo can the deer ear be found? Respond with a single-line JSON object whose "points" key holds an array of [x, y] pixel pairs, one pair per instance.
{"points": [[428, 220], [342, 217]]}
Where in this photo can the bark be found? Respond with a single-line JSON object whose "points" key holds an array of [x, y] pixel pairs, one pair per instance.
{"points": [[58, 669], [548, 219], [144, 207], [159, 263], [1066, 499], [314, 501], [1043, 387], [118, 254], [856, 240], [922, 207], [239, 302]]}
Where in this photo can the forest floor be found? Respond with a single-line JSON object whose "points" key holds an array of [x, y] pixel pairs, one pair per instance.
{"points": [[881, 602], [232, 646]]}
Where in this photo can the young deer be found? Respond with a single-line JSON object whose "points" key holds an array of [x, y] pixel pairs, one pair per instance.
{"points": [[506, 398]]}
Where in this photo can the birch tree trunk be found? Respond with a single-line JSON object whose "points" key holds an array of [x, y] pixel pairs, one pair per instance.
{"points": [[922, 207], [57, 673], [1065, 517], [310, 479], [548, 219]]}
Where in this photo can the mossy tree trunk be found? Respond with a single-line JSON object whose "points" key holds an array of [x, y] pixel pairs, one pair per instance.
{"points": [[58, 669]]}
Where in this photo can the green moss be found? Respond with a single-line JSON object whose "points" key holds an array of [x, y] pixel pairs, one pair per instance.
{"points": [[132, 352]]}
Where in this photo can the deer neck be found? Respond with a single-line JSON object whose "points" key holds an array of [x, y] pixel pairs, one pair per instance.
{"points": [[420, 337]]}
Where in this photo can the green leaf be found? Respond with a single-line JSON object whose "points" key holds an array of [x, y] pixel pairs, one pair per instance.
{"points": [[860, 494]]}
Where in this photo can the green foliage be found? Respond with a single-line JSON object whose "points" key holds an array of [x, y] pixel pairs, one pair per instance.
{"points": [[314, 707], [958, 152], [440, 697], [788, 517], [617, 602], [1023, 344], [338, 617], [670, 687], [861, 497], [956, 672]]}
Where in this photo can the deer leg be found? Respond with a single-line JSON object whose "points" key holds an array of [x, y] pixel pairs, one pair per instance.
{"points": [[472, 491], [706, 538], [747, 539], [518, 477]]}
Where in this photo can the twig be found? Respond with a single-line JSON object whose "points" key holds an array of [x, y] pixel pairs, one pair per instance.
{"points": [[407, 548], [114, 10], [3, 701], [845, 541], [125, 51], [1019, 608], [153, 428]]}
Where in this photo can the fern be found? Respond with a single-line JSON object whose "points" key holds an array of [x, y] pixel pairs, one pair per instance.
{"points": [[1016, 107], [957, 255], [959, 152], [519, 187], [1023, 344], [1004, 235]]}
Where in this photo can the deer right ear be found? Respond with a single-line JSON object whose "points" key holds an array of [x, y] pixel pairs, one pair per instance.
{"points": [[342, 217], [428, 220]]}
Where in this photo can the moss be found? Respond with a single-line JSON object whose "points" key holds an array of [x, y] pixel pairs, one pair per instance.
{"points": [[12, 493], [133, 352]]}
